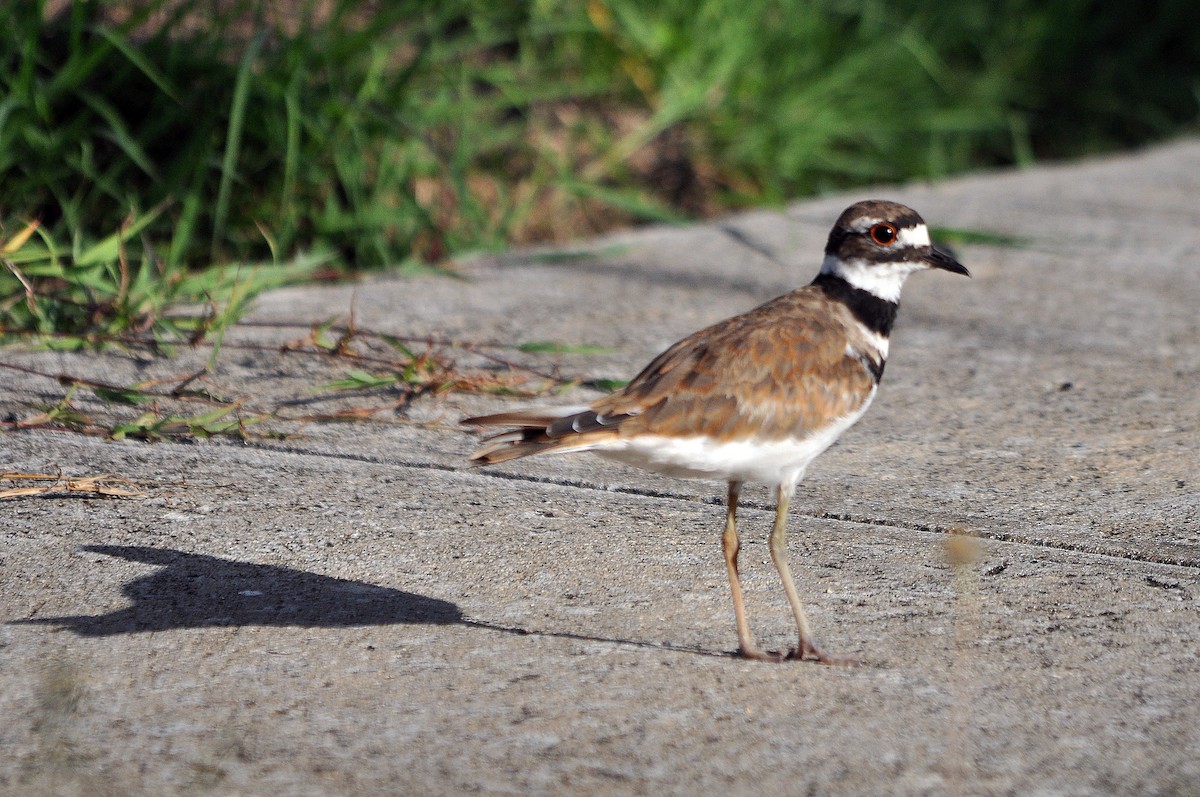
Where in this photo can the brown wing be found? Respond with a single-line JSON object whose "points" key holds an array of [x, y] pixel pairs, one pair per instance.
{"points": [[781, 370]]}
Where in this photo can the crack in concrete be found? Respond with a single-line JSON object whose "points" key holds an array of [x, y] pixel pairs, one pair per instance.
{"points": [[716, 500]]}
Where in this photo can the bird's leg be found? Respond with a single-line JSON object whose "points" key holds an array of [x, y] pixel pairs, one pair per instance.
{"points": [[778, 544], [731, 546]]}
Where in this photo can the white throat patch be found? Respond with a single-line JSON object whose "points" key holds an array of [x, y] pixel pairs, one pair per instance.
{"points": [[879, 279]]}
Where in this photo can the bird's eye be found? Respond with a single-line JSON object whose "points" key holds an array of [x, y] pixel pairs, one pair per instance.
{"points": [[883, 234]]}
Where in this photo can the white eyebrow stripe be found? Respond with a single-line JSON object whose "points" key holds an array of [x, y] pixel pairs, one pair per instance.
{"points": [[905, 236], [913, 236]]}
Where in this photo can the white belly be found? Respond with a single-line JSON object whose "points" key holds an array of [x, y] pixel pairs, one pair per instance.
{"points": [[698, 457]]}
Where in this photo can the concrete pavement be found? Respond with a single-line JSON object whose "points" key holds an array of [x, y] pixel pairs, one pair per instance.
{"points": [[343, 608]]}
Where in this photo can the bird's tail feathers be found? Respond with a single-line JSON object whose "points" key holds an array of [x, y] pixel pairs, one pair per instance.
{"points": [[532, 434]]}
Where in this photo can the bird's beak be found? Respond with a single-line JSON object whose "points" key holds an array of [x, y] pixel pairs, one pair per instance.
{"points": [[939, 259]]}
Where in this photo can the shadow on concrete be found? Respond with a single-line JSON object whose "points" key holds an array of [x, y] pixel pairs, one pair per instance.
{"points": [[196, 591]]}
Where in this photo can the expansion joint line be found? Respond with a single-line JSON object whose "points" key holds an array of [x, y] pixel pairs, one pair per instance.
{"points": [[840, 517]]}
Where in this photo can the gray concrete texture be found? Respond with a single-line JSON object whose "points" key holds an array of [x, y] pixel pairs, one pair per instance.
{"points": [[348, 609]]}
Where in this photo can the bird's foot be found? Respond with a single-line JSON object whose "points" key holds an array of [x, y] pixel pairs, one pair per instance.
{"points": [[755, 653], [808, 649]]}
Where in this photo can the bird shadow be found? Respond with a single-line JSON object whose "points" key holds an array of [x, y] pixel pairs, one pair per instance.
{"points": [[198, 591]]}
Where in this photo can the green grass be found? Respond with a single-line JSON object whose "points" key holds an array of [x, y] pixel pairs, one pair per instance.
{"points": [[185, 154], [380, 375], [85, 296]]}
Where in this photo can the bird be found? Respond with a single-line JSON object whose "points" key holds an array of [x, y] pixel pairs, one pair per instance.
{"points": [[756, 397]]}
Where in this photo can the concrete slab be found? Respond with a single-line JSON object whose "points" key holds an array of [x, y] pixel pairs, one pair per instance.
{"points": [[347, 610]]}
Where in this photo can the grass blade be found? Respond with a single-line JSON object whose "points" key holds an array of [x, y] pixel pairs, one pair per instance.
{"points": [[233, 139]]}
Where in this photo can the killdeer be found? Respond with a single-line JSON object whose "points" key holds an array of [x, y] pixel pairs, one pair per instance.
{"points": [[757, 397]]}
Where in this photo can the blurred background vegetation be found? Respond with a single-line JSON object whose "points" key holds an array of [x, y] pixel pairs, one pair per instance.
{"points": [[151, 151]]}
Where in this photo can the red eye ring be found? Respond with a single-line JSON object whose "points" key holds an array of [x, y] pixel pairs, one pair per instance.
{"points": [[883, 234]]}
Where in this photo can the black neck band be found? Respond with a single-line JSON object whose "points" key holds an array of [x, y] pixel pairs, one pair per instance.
{"points": [[877, 315]]}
